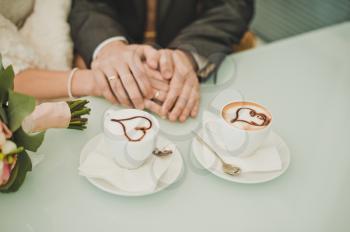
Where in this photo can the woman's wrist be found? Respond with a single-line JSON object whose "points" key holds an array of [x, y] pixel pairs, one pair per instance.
{"points": [[82, 83]]}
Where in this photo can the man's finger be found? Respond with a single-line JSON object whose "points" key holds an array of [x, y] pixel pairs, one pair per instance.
{"points": [[141, 77], [159, 95], [152, 106], [160, 85], [151, 55], [153, 73], [175, 87], [190, 104], [119, 91], [110, 97], [166, 63], [195, 109], [181, 102], [130, 85]]}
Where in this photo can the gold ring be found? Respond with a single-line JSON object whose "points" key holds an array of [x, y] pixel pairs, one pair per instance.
{"points": [[111, 78], [156, 95]]}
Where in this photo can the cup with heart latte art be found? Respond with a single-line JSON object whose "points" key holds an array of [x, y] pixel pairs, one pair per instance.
{"points": [[240, 128], [130, 136]]}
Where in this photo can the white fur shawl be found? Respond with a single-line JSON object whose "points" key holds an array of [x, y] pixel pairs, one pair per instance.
{"points": [[43, 41]]}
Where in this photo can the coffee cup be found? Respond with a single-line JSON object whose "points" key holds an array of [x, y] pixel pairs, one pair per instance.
{"points": [[240, 128], [130, 136]]}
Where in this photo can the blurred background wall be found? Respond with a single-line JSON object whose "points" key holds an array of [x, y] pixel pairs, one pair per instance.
{"points": [[278, 19]]}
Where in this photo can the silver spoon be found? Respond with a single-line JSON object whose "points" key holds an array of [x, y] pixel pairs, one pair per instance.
{"points": [[162, 152], [227, 168]]}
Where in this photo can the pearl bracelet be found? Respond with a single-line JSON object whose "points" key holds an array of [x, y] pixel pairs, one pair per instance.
{"points": [[69, 83]]}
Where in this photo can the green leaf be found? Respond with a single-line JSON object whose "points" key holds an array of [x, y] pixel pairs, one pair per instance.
{"points": [[30, 142], [6, 82], [18, 174], [6, 77], [19, 107], [27, 160], [1, 66], [3, 115]]}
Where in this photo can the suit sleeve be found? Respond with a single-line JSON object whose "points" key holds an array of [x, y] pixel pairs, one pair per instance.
{"points": [[221, 24], [92, 22]]}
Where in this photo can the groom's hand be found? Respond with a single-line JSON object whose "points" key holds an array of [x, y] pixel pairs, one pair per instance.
{"points": [[122, 65], [183, 97]]}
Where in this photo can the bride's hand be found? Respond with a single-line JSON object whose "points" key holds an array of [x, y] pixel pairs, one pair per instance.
{"points": [[92, 83]]}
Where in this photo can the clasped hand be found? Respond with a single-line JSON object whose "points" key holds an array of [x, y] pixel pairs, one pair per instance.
{"points": [[162, 81]]}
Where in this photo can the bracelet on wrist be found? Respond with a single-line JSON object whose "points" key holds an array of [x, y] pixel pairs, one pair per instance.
{"points": [[69, 82]]}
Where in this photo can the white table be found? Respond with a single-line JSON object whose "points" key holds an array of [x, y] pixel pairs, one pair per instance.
{"points": [[305, 81]]}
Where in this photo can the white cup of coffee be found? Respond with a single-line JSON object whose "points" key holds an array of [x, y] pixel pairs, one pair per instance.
{"points": [[240, 129], [130, 136]]}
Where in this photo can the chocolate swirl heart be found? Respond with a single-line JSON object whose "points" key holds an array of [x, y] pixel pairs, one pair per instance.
{"points": [[265, 120], [143, 129]]}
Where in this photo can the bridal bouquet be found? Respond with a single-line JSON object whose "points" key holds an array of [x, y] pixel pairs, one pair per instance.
{"points": [[22, 127]]}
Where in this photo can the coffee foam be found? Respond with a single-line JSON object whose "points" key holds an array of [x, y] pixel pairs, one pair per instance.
{"points": [[116, 129], [250, 116]]}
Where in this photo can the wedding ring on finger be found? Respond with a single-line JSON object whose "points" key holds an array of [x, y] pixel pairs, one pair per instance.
{"points": [[156, 95], [111, 78]]}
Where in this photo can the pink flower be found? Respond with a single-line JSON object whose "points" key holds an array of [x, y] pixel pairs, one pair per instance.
{"points": [[5, 130], [5, 168], [5, 175]]}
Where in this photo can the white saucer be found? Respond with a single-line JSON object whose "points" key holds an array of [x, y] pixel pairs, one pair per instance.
{"points": [[168, 178], [246, 178]]}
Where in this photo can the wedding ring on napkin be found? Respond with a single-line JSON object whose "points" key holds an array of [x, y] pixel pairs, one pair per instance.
{"points": [[111, 78]]}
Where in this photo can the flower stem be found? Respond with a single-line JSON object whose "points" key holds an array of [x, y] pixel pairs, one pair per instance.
{"points": [[78, 109]]}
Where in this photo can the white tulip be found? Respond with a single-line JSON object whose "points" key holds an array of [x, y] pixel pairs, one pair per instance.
{"points": [[2, 139], [8, 147]]}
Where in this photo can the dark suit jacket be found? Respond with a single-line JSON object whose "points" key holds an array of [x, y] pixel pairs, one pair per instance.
{"points": [[207, 27]]}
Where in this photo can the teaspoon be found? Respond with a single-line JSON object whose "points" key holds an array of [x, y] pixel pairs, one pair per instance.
{"points": [[162, 152], [227, 168]]}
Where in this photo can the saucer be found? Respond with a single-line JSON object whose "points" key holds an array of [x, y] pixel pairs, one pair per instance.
{"points": [[249, 177], [169, 177]]}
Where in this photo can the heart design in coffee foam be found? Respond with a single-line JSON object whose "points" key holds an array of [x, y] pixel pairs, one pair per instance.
{"points": [[254, 118], [138, 132]]}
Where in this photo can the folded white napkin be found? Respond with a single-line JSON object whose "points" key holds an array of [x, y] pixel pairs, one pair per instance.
{"points": [[265, 159], [143, 179]]}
